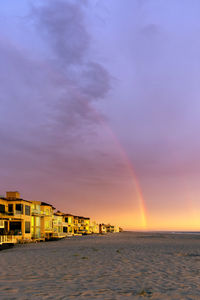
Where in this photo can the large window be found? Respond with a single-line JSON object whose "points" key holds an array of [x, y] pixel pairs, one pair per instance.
{"points": [[27, 227], [15, 227], [19, 209], [66, 220], [27, 210], [10, 208], [2, 208], [64, 229]]}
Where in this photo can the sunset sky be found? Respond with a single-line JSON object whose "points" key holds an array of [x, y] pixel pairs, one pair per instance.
{"points": [[100, 109]]}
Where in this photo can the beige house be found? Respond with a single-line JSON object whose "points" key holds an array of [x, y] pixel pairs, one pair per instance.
{"points": [[58, 226], [46, 220], [15, 216], [81, 225], [67, 223], [102, 228], [94, 227]]}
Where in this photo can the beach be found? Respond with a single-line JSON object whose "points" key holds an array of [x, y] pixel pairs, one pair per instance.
{"points": [[124, 265]]}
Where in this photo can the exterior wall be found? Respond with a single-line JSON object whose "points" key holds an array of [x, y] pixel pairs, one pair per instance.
{"points": [[36, 220], [3, 215]]}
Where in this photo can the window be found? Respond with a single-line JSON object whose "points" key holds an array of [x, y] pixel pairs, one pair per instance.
{"points": [[64, 229], [19, 209], [66, 220], [15, 228], [27, 227], [2, 208], [10, 207], [27, 210]]}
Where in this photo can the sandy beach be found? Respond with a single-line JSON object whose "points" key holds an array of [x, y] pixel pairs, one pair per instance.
{"points": [[115, 266]]}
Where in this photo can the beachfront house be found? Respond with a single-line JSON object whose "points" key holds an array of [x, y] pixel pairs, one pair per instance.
{"points": [[102, 228], [112, 228], [68, 224], [81, 225], [46, 220], [41, 220], [15, 216], [94, 227], [58, 225]]}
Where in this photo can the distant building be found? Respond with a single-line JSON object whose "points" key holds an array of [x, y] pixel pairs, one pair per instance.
{"points": [[94, 227]]}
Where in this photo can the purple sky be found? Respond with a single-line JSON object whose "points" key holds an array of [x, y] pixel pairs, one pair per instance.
{"points": [[90, 90]]}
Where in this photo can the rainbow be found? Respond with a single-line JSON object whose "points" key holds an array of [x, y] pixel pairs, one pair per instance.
{"points": [[135, 181], [129, 167]]}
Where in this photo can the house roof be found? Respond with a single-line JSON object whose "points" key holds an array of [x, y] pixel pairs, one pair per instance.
{"points": [[17, 199], [47, 204], [80, 217]]}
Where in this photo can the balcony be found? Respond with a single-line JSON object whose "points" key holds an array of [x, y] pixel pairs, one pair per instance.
{"points": [[11, 213], [36, 212], [46, 213]]}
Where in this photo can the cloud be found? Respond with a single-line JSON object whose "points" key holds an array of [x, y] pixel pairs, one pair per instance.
{"points": [[61, 24], [49, 124]]}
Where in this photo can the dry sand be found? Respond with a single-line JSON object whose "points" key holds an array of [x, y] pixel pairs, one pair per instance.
{"points": [[115, 266]]}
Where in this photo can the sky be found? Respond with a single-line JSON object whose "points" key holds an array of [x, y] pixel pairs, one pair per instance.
{"points": [[99, 108]]}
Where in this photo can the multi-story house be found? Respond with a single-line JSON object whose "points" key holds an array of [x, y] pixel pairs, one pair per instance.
{"points": [[46, 220], [42, 220], [15, 216], [68, 224], [94, 227], [110, 228], [58, 225], [81, 225], [102, 228]]}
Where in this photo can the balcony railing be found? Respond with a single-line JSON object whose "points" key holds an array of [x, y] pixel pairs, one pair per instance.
{"points": [[48, 229], [45, 213], [11, 213], [7, 239], [36, 212]]}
